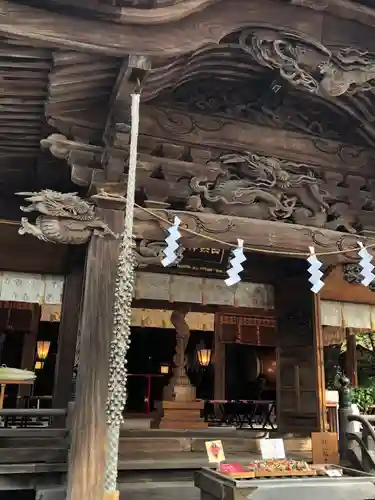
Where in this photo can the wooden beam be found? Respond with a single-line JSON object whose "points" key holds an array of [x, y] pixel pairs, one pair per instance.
{"points": [[88, 449], [336, 288], [274, 237], [159, 13], [173, 126], [345, 9], [185, 35], [68, 329]]}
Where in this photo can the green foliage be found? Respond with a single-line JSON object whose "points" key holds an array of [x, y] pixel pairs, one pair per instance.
{"points": [[364, 397], [365, 340]]}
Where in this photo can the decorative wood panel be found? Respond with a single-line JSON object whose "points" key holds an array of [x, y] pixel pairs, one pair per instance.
{"points": [[300, 395], [18, 316], [196, 290], [191, 291], [249, 330]]}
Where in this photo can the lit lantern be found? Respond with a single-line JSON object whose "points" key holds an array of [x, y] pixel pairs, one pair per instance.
{"points": [[203, 355], [42, 349], [164, 369], [38, 365]]}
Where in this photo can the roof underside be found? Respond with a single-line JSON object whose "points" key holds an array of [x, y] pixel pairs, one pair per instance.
{"points": [[47, 88], [41, 89]]}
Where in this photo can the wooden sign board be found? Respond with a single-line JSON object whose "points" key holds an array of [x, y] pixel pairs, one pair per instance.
{"points": [[325, 448]]}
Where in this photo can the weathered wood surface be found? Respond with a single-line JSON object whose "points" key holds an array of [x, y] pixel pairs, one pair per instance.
{"points": [[258, 234], [141, 12], [28, 352], [139, 450], [161, 11], [89, 423], [68, 329], [300, 378], [27, 254], [181, 36], [201, 132], [33, 445], [336, 288]]}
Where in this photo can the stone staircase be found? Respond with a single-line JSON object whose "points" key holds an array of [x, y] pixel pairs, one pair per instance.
{"points": [[180, 449]]}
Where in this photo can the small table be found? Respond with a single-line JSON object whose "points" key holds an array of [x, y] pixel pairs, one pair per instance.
{"points": [[4, 383], [241, 412]]}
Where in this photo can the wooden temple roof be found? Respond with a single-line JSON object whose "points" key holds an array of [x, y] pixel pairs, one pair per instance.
{"points": [[62, 67]]}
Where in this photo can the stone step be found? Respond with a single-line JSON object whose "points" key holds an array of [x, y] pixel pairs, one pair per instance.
{"points": [[165, 445]]}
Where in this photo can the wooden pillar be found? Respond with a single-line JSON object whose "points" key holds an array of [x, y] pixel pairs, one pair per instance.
{"points": [[351, 357], [300, 365], [220, 362], [69, 326], [28, 353], [88, 450]]}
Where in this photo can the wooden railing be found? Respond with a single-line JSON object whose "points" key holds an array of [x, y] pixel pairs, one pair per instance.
{"points": [[33, 417]]}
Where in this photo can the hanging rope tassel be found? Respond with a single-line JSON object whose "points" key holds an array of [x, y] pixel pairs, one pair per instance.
{"points": [[120, 343]]}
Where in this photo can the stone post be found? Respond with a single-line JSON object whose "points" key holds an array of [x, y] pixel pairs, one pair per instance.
{"points": [[179, 387], [180, 409]]}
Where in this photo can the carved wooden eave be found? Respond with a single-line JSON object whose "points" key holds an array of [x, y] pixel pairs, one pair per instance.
{"points": [[307, 54], [166, 11], [183, 162], [178, 36]]}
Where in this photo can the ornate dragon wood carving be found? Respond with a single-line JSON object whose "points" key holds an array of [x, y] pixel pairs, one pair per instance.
{"points": [[64, 218], [267, 188], [307, 64], [296, 57]]}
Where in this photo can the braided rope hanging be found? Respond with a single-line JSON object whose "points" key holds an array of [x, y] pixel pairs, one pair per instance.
{"points": [[122, 314]]}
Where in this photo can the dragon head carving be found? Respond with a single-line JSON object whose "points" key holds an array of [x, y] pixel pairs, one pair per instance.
{"points": [[60, 205]]}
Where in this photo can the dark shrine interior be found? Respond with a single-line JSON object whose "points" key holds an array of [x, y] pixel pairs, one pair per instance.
{"points": [[152, 348]]}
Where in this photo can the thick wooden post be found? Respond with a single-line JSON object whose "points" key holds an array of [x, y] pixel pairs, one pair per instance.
{"points": [[300, 382], [69, 326], [219, 380], [351, 357], [88, 451], [28, 354]]}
